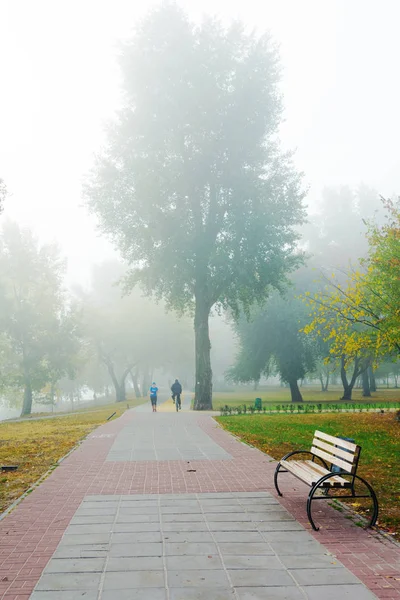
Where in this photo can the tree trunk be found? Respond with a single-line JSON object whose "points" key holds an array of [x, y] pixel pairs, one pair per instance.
{"points": [[27, 405], [120, 392], [326, 382], [145, 382], [295, 391], [365, 384], [203, 385], [372, 381], [134, 377], [347, 387], [321, 379]]}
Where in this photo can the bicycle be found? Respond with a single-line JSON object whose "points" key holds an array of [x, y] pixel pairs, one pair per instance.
{"points": [[177, 399]]}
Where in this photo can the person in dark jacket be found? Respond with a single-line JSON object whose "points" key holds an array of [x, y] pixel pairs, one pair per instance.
{"points": [[176, 390]]}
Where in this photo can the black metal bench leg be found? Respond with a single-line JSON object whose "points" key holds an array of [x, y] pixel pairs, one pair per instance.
{"points": [[371, 490], [276, 479], [309, 501]]}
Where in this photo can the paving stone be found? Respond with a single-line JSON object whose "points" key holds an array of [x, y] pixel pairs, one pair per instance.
{"points": [[344, 592], [252, 562], [307, 548], [141, 549], [198, 578], [231, 526], [136, 537], [71, 565], [113, 505], [136, 527], [131, 501], [280, 526], [178, 518], [257, 577], [92, 519], [135, 563], [134, 594], [180, 510], [273, 515], [238, 536], [184, 563], [235, 517], [66, 595], [82, 551], [89, 529], [271, 593], [70, 581], [133, 579], [181, 537], [164, 440], [193, 548], [222, 508], [297, 537], [315, 561], [251, 548], [324, 576], [95, 512], [179, 501], [90, 538], [130, 508], [126, 517], [198, 526], [202, 594]]}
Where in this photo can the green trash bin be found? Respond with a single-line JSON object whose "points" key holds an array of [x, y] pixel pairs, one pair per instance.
{"points": [[258, 404]]}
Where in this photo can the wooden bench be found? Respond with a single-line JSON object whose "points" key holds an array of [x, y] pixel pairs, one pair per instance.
{"points": [[339, 460]]}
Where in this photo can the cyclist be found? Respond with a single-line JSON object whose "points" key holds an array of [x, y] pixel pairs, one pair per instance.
{"points": [[176, 390], [153, 396]]}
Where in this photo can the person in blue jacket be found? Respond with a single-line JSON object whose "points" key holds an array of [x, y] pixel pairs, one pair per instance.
{"points": [[153, 396]]}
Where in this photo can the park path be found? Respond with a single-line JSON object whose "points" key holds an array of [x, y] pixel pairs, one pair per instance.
{"points": [[169, 506]]}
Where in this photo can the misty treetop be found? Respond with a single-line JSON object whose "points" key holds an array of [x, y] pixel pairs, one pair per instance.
{"points": [[192, 185]]}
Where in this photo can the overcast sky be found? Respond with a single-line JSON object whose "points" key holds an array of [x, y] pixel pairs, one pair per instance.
{"points": [[59, 82]]}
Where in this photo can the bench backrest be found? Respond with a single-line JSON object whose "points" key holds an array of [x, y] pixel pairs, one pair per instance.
{"points": [[336, 451]]}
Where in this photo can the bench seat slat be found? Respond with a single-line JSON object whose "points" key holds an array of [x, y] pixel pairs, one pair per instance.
{"points": [[310, 473], [348, 456], [334, 440], [336, 461]]}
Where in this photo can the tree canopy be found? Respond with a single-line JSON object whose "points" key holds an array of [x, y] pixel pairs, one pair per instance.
{"points": [[33, 319], [192, 186], [272, 341]]}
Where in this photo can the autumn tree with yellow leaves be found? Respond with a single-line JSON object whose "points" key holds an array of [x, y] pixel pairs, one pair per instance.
{"points": [[361, 319]]}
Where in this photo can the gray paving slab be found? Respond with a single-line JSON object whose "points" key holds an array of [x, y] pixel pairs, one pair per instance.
{"points": [[333, 592], [273, 593], [163, 437], [228, 546], [202, 594]]}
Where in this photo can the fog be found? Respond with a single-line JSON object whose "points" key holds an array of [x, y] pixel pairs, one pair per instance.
{"points": [[61, 84]]}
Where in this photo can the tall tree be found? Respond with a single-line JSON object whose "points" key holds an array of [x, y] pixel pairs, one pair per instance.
{"points": [[192, 186], [272, 340], [32, 313]]}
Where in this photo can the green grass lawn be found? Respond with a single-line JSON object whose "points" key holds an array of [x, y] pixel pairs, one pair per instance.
{"points": [[278, 395], [377, 434]]}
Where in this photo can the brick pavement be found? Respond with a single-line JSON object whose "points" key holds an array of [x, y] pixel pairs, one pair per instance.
{"points": [[31, 533]]}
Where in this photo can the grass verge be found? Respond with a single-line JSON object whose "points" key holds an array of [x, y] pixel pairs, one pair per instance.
{"points": [[377, 434], [36, 446]]}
